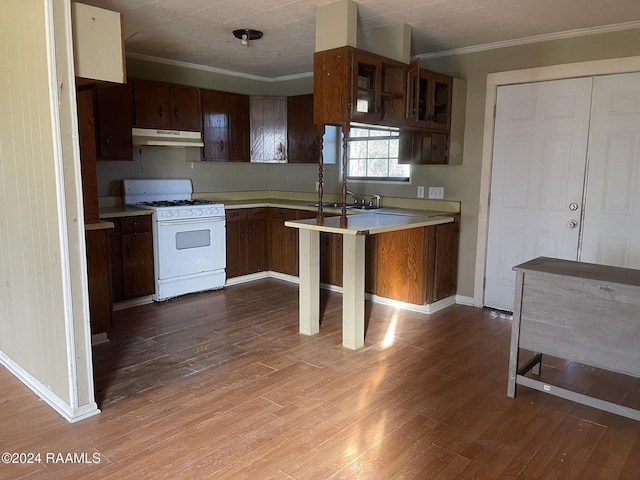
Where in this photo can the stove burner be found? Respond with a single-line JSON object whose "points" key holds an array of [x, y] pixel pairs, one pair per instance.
{"points": [[176, 203]]}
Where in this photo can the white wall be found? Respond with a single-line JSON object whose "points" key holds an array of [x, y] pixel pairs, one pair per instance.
{"points": [[43, 307]]}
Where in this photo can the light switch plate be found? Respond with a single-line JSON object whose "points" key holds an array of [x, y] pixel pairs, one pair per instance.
{"points": [[420, 192], [436, 193]]}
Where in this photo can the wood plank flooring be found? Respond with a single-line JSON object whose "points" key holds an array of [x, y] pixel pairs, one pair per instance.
{"points": [[220, 385]]}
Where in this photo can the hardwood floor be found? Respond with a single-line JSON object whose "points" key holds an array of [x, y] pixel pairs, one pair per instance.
{"points": [[220, 385]]}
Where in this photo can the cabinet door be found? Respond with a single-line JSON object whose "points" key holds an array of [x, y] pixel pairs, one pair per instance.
{"points": [[87, 140], [115, 244], [185, 108], [283, 242], [215, 120], [440, 101], [239, 127], [257, 240], [302, 134], [114, 114], [446, 260], [137, 264], [99, 280], [137, 256], [425, 148], [399, 265], [152, 104], [366, 104], [268, 129], [236, 249]]}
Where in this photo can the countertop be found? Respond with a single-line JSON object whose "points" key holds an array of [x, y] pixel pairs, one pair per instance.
{"points": [[371, 223], [126, 211]]}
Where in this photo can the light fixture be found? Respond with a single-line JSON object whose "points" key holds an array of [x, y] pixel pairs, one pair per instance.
{"points": [[246, 34]]}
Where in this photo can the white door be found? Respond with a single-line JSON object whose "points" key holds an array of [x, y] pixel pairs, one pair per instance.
{"points": [[611, 229], [540, 149]]}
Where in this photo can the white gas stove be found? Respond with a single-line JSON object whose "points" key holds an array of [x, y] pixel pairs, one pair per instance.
{"points": [[189, 240]]}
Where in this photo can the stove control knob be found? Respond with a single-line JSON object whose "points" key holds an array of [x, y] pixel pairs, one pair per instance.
{"points": [[198, 212], [176, 213], [166, 214], [189, 213], [208, 211]]}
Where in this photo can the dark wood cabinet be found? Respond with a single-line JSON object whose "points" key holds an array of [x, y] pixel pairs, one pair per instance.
{"points": [[283, 242], [226, 131], [114, 120], [429, 99], [354, 85], [166, 106], [132, 257], [247, 241], [86, 131], [418, 265], [421, 147], [99, 280], [303, 138]]}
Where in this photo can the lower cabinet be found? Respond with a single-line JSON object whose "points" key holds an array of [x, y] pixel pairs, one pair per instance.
{"points": [[99, 279], [247, 241], [132, 257], [283, 241], [418, 265]]}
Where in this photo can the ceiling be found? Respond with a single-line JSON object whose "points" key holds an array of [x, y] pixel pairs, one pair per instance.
{"points": [[200, 31]]}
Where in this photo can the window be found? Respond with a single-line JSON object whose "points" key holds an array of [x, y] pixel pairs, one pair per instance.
{"points": [[373, 154]]}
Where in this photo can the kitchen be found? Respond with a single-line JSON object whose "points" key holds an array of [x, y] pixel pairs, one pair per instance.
{"points": [[460, 182]]}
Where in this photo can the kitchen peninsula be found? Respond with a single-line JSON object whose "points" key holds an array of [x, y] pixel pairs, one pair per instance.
{"points": [[353, 236]]}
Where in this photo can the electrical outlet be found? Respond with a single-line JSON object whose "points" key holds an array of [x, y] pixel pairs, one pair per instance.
{"points": [[436, 193], [420, 191]]}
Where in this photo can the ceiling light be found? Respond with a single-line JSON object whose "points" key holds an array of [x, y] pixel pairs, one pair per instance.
{"points": [[246, 34]]}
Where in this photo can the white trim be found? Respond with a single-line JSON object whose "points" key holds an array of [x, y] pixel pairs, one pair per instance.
{"points": [[63, 238], [580, 32], [538, 74], [221, 71], [70, 413], [133, 302], [464, 300], [430, 308]]}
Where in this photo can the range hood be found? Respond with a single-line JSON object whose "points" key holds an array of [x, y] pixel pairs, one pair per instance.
{"points": [[166, 138]]}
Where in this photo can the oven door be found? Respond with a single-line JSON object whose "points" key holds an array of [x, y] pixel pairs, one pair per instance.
{"points": [[187, 247]]}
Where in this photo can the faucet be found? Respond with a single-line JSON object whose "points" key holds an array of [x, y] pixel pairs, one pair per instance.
{"points": [[375, 201], [356, 199]]}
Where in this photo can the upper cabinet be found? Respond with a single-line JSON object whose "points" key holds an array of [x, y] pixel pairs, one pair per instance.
{"points": [[354, 85], [166, 106], [428, 99], [98, 44], [268, 129], [225, 120], [303, 140], [114, 120]]}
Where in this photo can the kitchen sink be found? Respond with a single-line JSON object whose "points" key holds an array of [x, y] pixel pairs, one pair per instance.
{"points": [[362, 207]]}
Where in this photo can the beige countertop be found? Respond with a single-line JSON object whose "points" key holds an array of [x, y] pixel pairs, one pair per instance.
{"points": [[117, 212], [371, 223]]}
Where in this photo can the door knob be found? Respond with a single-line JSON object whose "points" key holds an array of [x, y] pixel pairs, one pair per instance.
{"points": [[573, 207], [572, 224]]}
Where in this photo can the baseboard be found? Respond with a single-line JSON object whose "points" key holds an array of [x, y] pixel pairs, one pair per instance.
{"points": [[99, 338], [133, 302], [71, 414], [463, 300]]}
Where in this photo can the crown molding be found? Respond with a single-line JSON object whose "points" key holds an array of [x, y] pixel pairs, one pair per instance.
{"points": [[442, 53], [581, 32], [221, 71]]}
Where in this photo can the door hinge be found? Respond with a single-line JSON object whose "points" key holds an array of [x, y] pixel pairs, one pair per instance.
{"points": [[494, 111]]}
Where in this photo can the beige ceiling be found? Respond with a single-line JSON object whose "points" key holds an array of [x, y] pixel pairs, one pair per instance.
{"points": [[200, 31]]}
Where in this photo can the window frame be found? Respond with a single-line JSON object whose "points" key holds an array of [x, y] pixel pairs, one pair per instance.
{"points": [[376, 179]]}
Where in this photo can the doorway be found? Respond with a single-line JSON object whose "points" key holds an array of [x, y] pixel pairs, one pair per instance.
{"points": [[587, 69]]}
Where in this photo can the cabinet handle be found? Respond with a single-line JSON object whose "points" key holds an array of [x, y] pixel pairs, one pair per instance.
{"points": [[106, 142], [160, 111], [221, 145], [175, 112], [135, 224]]}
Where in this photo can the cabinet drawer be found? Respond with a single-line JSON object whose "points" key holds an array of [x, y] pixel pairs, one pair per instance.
{"points": [[236, 215], [283, 214], [259, 213], [137, 224]]}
